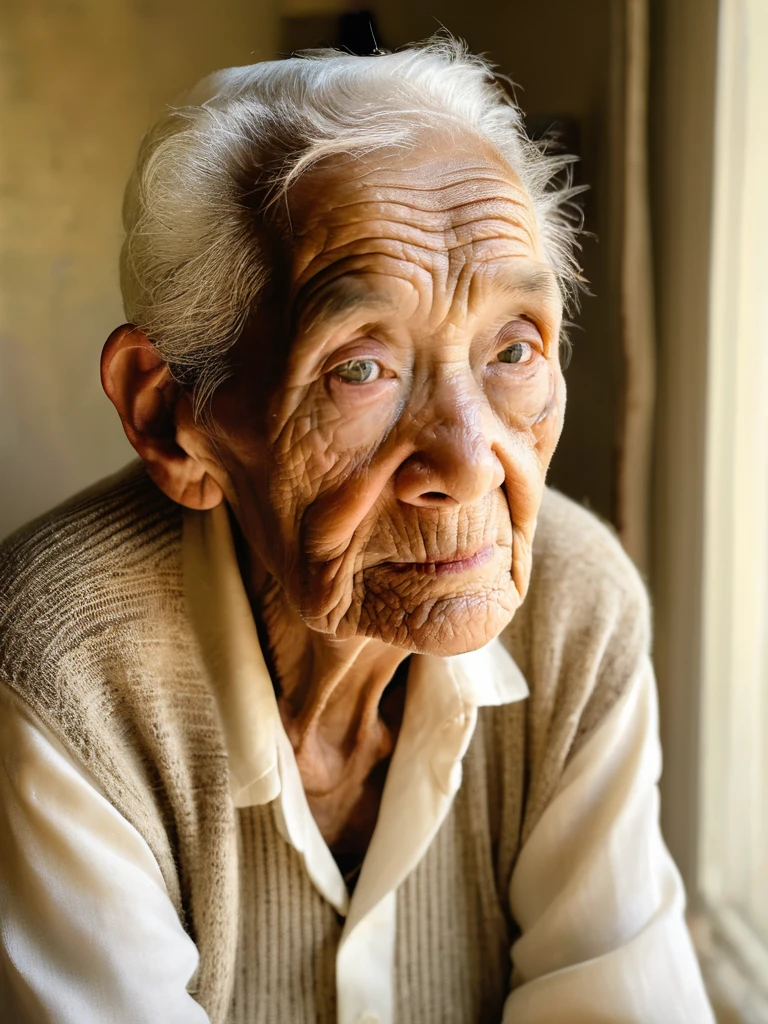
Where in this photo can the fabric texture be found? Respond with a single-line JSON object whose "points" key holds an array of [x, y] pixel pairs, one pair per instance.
{"points": [[88, 934], [98, 644]]}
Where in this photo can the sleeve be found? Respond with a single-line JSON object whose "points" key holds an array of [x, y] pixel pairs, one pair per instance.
{"points": [[88, 933], [597, 897]]}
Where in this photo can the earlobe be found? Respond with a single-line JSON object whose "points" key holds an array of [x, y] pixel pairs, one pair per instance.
{"points": [[139, 384]]}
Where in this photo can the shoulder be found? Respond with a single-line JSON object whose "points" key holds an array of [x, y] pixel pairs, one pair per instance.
{"points": [[583, 629], [578, 558], [581, 638], [583, 584], [96, 644], [107, 511], [77, 569]]}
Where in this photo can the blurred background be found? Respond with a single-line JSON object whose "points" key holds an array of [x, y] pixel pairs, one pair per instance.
{"points": [[664, 102]]}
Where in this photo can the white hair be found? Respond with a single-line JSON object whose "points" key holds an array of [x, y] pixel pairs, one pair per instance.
{"points": [[210, 170]]}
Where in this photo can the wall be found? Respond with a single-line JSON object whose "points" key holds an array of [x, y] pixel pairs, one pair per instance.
{"points": [[79, 83]]}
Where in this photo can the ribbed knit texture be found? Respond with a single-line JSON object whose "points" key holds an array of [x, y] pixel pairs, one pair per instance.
{"points": [[286, 959], [95, 638], [451, 910]]}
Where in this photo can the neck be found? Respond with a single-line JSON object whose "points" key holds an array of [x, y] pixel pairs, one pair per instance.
{"points": [[330, 694]]}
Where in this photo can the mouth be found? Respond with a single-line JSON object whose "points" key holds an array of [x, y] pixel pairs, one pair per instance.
{"points": [[443, 567]]}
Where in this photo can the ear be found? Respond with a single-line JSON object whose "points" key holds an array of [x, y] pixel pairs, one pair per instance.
{"points": [[149, 402]]}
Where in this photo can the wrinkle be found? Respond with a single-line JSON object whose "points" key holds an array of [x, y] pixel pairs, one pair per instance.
{"points": [[382, 205], [453, 253]]}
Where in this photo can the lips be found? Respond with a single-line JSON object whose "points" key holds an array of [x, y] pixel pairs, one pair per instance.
{"points": [[444, 566]]}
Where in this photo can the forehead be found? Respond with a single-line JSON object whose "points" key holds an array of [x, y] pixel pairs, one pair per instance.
{"points": [[444, 210]]}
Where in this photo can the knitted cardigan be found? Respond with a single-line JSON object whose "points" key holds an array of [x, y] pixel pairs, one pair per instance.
{"points": [[95, 640]]}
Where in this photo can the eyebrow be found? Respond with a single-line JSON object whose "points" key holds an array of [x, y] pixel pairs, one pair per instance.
{"points": [[338, 298], [347, 293], [531, 282]]}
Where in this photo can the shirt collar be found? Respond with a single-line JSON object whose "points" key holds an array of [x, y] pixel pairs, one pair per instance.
{"points": [[489, 676], [221, 615]]}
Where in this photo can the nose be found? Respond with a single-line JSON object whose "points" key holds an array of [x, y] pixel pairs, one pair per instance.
{"points": [[455, 462]]}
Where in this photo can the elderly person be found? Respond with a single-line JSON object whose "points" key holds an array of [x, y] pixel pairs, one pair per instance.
{"points": [[329, 710]]}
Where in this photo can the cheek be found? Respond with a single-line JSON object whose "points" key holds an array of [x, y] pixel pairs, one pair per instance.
{"points": [[531, 410], [519, 398], [323, 436], [244, 458], [534, 417], [530, 406], [549, 424]]}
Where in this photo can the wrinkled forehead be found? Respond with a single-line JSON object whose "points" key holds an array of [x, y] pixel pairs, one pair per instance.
{"points": [[442, 200]]}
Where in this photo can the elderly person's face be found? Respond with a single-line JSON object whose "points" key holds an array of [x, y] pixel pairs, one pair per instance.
{"points": [[396, 400], [384, 446]]}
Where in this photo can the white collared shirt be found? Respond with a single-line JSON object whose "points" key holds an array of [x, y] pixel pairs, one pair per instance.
{"points": [[84, 913], [443, 695]]}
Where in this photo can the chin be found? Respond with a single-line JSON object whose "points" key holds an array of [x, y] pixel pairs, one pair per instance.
{"points": [[448, 627]]}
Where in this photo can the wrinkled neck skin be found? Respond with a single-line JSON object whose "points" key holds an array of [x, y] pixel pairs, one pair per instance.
{"points": [[330, 699]]}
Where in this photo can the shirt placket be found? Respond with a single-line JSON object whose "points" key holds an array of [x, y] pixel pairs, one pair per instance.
{"points": [[423, 779]]}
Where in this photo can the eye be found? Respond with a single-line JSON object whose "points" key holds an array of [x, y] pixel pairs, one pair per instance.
{"points": [[358, 371], [520, 352]]}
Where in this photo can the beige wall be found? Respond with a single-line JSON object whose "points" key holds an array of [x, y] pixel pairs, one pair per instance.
{"points": [[79, 83]]}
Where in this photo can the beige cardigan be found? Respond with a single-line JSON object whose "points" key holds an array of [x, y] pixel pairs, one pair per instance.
{"points": [[95, 639]]}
